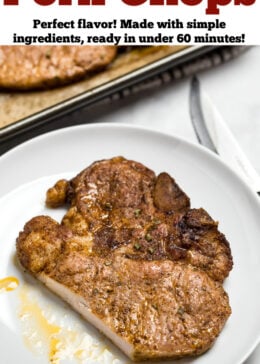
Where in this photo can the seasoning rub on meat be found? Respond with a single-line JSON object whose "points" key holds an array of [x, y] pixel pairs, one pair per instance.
{"points": [[26, 67], [134, 259]]}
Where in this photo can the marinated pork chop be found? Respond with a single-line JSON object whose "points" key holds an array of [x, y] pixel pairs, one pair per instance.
{"points": [[134, 259], [123, 204], [30, 67]]}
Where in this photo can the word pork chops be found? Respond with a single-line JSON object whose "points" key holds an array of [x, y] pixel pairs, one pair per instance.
{"points": [[134, 259], [35, 67]]}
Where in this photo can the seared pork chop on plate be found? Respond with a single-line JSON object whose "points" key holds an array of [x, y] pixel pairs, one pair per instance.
{"points": [[162, 240], [134, 259]]}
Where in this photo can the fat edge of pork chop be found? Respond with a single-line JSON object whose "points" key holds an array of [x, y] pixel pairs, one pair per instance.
{"points": [[122, 202], [149, 309]]}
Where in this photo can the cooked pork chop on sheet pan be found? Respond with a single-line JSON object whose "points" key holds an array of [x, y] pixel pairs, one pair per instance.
{"points": [[34, 67]]}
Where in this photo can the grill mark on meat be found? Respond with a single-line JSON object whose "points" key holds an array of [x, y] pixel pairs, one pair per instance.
{"points": [[146, 273]]}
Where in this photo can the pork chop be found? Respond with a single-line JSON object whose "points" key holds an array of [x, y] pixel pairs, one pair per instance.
{"points": [[122, 202], [34, 67], [134, 259]]}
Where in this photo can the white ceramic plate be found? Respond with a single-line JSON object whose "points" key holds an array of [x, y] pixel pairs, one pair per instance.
{"points": [[30, 315]]}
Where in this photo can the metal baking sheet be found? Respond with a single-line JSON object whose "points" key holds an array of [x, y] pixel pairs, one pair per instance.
{"points": [[24, 113]]}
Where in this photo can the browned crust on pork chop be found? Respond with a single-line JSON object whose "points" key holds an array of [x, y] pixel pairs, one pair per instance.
{"points": [[123, 203], [134, 259], [31, 67], [161, 309]]}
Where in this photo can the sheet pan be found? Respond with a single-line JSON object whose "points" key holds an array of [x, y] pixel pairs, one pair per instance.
{"points": [[23, 114]]}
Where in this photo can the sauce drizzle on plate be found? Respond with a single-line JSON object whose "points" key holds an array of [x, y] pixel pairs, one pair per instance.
{"points": [[8, 284]]}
